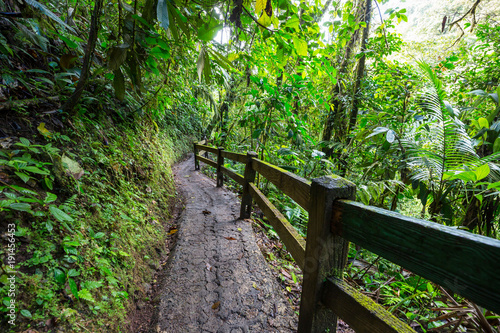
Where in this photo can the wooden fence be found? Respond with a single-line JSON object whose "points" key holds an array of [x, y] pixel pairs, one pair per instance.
{"points": [[464, 263]]}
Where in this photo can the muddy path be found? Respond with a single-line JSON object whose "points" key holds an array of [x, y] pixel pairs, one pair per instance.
{"points": [[216, 279]]}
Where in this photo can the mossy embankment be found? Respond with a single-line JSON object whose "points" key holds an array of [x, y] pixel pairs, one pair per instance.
{"points": [[86, 243]]}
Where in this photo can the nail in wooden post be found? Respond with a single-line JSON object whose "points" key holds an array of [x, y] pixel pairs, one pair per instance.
{"points": [[326, 254], [220, 163], [196, 162], [246, 197]]}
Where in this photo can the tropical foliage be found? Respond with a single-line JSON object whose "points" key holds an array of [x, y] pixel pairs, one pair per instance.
{"points": [[401, 101]]}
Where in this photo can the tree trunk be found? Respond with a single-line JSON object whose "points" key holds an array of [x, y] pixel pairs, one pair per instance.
{"points": [[360, 73], [335, 119], [87, 60]]}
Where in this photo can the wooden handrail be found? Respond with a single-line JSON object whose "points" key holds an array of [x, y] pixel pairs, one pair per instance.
{"points": [[458, 260], [292, 185], [294, 243], [455, 259]]}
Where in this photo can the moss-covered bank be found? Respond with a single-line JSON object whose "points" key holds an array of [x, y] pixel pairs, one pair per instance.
{"points": [[86, 244]]}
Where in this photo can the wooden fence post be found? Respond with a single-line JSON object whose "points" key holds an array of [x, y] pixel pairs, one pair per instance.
{"points": [[246, 197], [326, 253], [196, 162], [220, 163]]}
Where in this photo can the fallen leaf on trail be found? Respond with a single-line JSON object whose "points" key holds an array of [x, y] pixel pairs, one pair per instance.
{"points": [[216, 305], [230, 238], [206, 212], [239, 229], [45, 132], [209, 267], [241, 256], [255, 286], [187, 176], [173, 231]]}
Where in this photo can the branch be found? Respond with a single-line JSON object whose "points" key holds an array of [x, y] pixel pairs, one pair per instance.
{"points": [[471, 10], [382, 22], [255, 20]]}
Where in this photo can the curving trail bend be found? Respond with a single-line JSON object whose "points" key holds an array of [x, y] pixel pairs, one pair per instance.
{"points": [[217, 279]]}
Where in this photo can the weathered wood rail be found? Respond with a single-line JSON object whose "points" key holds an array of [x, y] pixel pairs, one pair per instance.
{"points": [[465, 263]]}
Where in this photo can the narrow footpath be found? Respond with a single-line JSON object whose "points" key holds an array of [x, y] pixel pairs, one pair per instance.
{"points": [[216, 278]]}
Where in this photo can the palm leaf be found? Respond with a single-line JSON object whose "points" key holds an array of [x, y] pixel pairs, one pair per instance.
{"points": [[45, 11]]}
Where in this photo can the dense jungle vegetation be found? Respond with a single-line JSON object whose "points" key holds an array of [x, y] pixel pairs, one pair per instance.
{"points": [[98, 99]]}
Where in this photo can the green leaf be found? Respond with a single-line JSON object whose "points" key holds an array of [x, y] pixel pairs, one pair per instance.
{"points": [[59, 276], [25, 313], [23, 176], [483, 123], [293, 23], [50, 198], [99, 235], [25, 141], [73, 272], [69, 42], [36, 170], [49, 226], [300, 46], [482, 172], [73, 288], [207, 33], [22, 207], [59, 214]]}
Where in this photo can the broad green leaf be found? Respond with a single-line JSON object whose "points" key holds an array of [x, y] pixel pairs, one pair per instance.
{"points": [[482, 172], [483, 123], [260, 5], [59, 214], [69, 42], [24, 141], [59, 276], [23, 176], [25, 313], [293, 23], [51, 197], [300, 46], [99, 235], [73, 288], [22, 207], [206, 33], [73, 272], [265, 20], [36, 170]]}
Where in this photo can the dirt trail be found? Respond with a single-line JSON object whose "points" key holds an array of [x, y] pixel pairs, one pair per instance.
{"points": [[216, 278]]}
